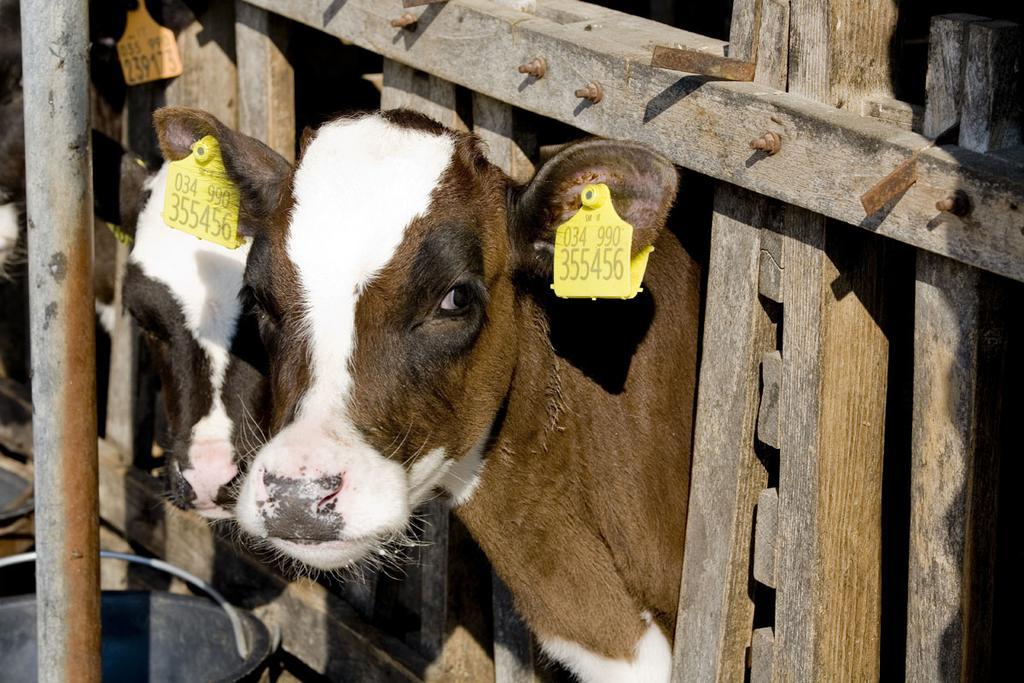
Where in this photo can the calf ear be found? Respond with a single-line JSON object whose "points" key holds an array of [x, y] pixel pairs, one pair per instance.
{"points": [[132, 192], [259, 172], [643, 186]]}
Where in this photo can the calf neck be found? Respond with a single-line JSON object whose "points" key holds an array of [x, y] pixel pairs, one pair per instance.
{"points": [[401, 282]]}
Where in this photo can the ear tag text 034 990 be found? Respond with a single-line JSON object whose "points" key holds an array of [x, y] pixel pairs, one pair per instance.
{"points": [[147, 51], [592, 252], [200, 199]]}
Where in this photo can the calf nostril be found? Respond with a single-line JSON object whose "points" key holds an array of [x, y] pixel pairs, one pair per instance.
{"points": [[326, 504]]}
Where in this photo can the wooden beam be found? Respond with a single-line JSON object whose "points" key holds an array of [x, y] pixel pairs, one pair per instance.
{"points": [[715, 608], [828, 159], [266, 81], [511, 147]]}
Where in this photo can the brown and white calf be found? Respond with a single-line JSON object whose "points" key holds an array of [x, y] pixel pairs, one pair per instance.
{"points": [[415, 345], [185, 294]]}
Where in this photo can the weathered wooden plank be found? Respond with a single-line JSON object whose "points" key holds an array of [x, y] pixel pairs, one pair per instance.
{"points": [[829, 157], [954, 473], [715, 609], [266, 82], [317, 627], [773, 44], [769, 279], [839, 51], [766, 530], [512, 148], [944, 82], [830, 466], [761, 654], [990, 118], [210, 78], [422, 92], [958, 333], [768, 428], [897, 112], [744, 29]]}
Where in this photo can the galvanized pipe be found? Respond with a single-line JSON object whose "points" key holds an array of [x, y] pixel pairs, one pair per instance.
{"points": [[59, 201]]}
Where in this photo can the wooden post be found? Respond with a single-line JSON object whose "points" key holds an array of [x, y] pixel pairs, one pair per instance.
{"points": [[266, 82], [716, 610], [958, 334], [834, 379]]}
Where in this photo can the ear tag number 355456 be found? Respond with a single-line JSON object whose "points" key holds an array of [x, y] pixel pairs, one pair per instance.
{"points": [[200, 199], [592, 250]]}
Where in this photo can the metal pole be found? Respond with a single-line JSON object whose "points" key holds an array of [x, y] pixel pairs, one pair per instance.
{"points": [[59, 199]]}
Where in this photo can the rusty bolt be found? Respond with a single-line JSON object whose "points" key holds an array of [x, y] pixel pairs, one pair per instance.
{"points": [[769, 143], [536, 67], [591, 91], [405, 21], [957, 204]]}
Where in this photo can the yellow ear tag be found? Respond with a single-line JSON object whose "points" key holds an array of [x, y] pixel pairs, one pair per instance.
{"points": [[592, 252], [200, 199], [147, 51]]}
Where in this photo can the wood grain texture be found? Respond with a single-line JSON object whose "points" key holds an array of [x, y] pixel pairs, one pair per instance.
{"points": [[769, 279], [944, 82], [743, 29], [210, 78], [768, 426], [832, 411], [317, 627], [773, 44], [897, 112], [266, 81], [715, 608], [958, 385], [990, 118], [839, 50], [761, 655], [766, 530], [828, 159], [954, 473], [511, 147]]}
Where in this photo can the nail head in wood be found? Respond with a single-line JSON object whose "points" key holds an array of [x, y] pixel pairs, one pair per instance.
{"points": [[407, 20], [958, 204], [769, 143], [591, 91], [536, 67]]}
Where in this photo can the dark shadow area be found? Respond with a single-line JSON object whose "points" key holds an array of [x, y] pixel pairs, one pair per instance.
{"points": [[670, 95]]}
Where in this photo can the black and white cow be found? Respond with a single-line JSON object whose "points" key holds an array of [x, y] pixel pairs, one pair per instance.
{"points": [[185, 294]]}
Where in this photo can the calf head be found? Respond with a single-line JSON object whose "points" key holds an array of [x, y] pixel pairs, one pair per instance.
{"points": [[389, 271], [185, 295]]}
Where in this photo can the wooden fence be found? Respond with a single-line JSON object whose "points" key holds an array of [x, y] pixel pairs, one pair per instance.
{"points": [[795, 565]]}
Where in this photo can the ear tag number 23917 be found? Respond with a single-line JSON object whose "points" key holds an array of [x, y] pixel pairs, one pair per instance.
{"points": [[592, 252], [200, 199], [147, 51]]}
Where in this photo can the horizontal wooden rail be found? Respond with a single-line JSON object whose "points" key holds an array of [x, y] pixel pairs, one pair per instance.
{"points": [[828, 157]]}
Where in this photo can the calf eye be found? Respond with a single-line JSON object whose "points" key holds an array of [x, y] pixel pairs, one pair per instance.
{"points": [[457, 299]]}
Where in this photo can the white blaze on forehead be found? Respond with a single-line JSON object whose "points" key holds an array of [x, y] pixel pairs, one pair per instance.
{"points": [[359, 186], [205, 279]]}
